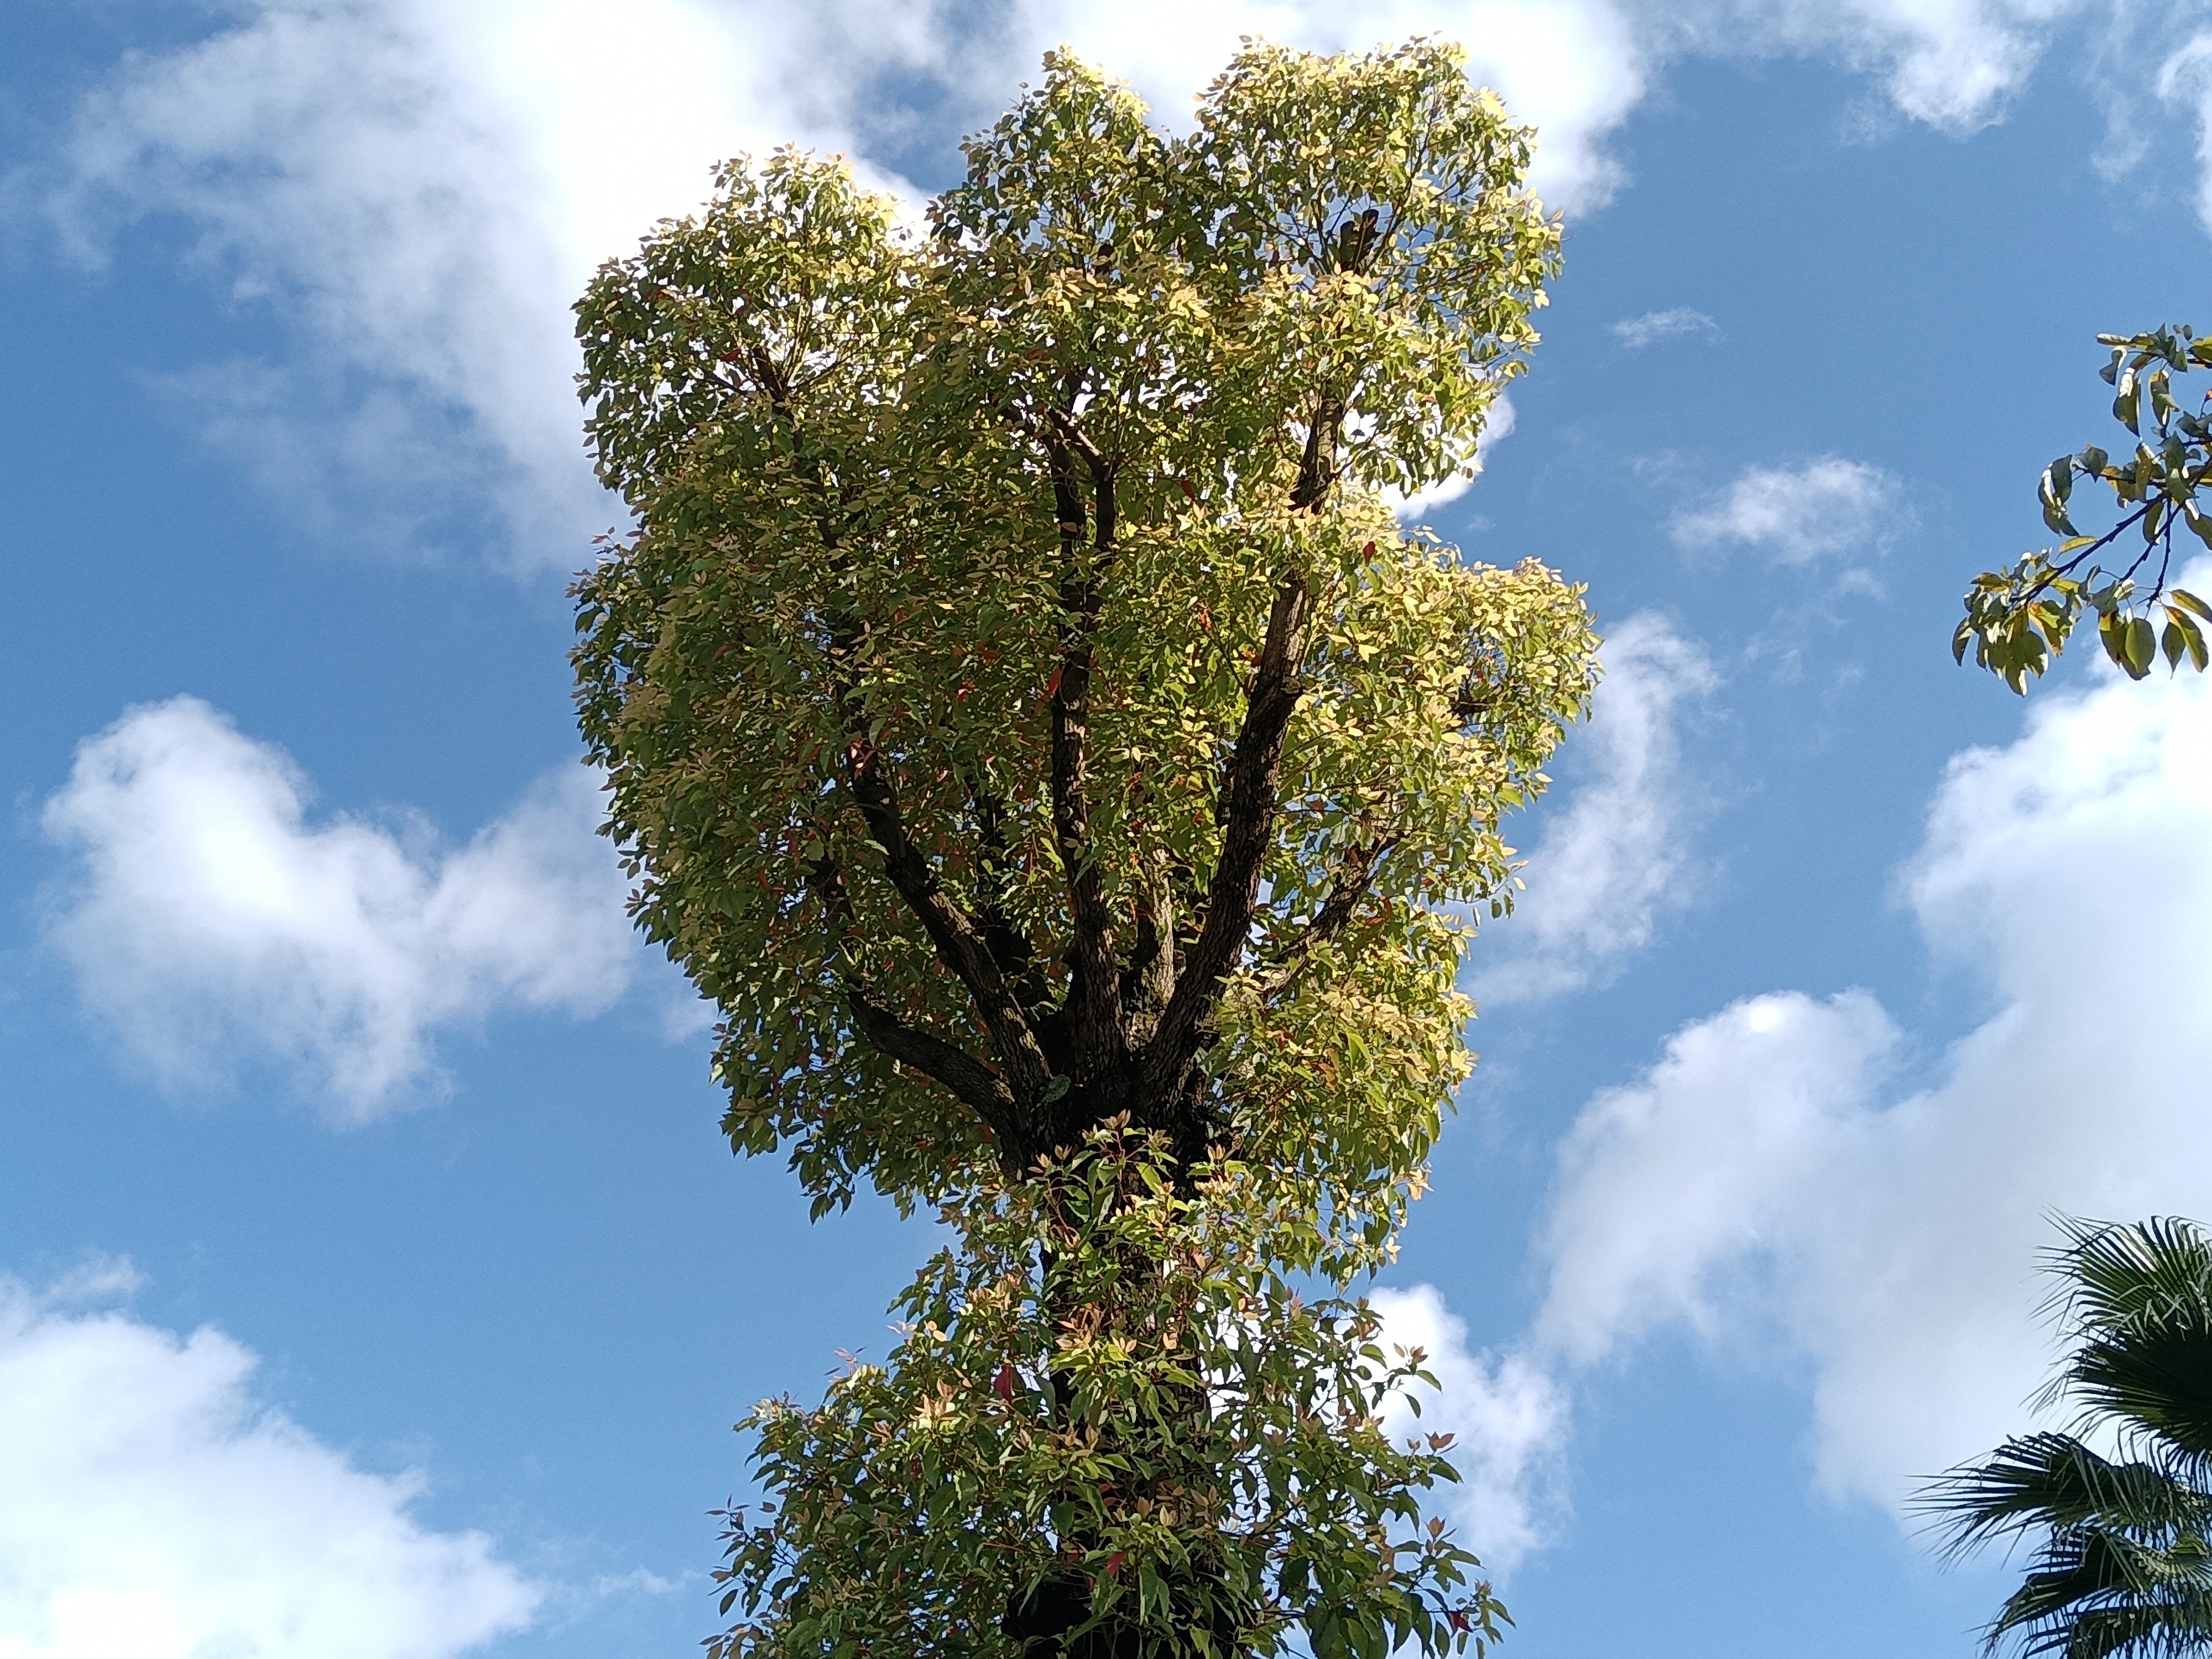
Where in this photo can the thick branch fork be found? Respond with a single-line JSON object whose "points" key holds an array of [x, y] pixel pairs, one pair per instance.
{"points": [[1126, 1035]]}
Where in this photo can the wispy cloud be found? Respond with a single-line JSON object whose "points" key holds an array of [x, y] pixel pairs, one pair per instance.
{"points": [[210, 920], [1954, 66], [1615, 853], [421, 190], [2184, 77], [150, 1504], [1798, 514], [1655, 327]]}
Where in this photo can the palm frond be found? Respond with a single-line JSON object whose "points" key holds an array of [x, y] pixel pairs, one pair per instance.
{"points": [[2054, 1481], [2154, 1380], [2120, 1275], [2124, 1570]]}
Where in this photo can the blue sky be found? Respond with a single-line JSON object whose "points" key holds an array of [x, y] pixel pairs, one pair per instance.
{"points": [[372, 1280]]}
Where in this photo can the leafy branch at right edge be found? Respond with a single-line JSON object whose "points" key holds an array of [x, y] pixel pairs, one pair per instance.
{"points": [[2020, 617]]}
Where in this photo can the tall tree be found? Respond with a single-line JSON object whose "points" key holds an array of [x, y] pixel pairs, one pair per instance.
{"points": [[2123, 1566], [2020, 617], [1031, 727]]}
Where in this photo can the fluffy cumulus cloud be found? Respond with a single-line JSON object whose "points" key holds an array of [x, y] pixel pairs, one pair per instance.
{"points": [[149, 1505], [1506, 1417], [1655, 327], [210, 919], [1615, 853], [1798, 514], [1792, 1170], [419, 191]]}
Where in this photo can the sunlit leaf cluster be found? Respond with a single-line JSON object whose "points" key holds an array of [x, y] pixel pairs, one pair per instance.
{"points": [[2020, 617]]}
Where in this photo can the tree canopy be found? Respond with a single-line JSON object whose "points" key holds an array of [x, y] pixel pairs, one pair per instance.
{"points": [[1029, 724], [2020, 617]]}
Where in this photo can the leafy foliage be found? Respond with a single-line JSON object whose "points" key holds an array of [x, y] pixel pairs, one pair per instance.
{"points": [[1201, 1445], [1029, 723], [2124, 1568], [2020, 617]]}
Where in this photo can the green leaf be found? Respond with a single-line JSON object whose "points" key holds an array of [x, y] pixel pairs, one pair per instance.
{"points": [[2162, 406], [2192, 635], [2111, 634], [2057, 484], [2125, 406], [2140, 647]]}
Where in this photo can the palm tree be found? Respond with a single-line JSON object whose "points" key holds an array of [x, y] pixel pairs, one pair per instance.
{"points": [[2123, 1569]]}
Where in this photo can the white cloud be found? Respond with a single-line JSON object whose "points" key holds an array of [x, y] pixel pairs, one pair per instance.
{"points": [[419, 189], [1799, 514], [209, 917], [150, 1505], [1776, 1176], [1574, 68], [2185, 77], [1655, 327], [423, 189], [1615, 854], [1497, 426], [1507, 1417], [98, 1277], [1665, 1183], [1952, 63]]}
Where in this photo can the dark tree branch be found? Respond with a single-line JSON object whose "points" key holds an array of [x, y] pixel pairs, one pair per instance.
{"points": [[958, 942], [1248, 804], [1013, 948], [1149, 980], [1317, 464], [1351, 885], [1097, 1041], [974, 1085]]}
